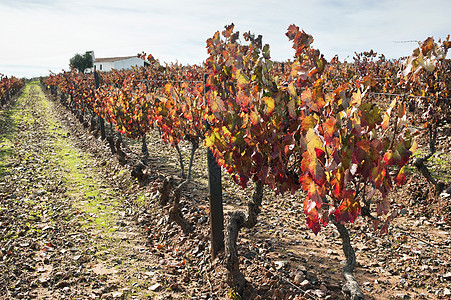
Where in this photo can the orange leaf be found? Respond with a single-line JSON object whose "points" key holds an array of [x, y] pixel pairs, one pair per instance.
{"points": [[329, 129], [401, 177], [254, 117]]}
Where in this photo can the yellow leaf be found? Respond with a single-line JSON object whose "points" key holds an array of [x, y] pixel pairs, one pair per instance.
{"points": [[167, 88], [385, 122], [241, 78], [356, 99], [226, 131], [313, 141], [292, 91], [210, 140], [414, 146], [270, 104], [254, 117]]}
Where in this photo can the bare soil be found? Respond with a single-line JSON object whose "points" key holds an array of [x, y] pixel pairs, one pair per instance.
{"points": [[74, 224]]}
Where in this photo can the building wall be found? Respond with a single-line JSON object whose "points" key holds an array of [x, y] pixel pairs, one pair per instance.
{"points": [[104, 66], [107, 66], [128, 63]]}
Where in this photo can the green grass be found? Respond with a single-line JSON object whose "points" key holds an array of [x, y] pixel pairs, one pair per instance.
{"points": [[83, 185], [9, 120], [80, 181], [438, 164]]}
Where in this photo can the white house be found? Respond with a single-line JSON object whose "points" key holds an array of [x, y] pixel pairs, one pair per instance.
{"points": [[108, 63]]}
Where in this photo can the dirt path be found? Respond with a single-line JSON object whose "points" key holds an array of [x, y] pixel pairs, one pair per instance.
{"points": [[64, 230], [75, 225]]}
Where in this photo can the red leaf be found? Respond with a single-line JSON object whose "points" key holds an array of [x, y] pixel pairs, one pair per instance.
{"points": [[292, 31], [361, 151], [401, 177], [319, 153], [349, 209], [312, 215], [315, 194]]}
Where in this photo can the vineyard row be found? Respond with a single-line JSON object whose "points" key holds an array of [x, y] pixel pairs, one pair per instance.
{"points": [[305, 124]]}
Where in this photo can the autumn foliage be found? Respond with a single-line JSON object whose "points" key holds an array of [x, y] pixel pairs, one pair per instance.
{"points": [[311, 126], [8, 86]]}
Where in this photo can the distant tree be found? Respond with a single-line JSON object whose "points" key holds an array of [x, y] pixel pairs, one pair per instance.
{"points": [[81, 62]]}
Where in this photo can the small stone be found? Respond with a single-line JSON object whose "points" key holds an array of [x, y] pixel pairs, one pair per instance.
{"points": [[155, 287], [446, 292], [332, 252], [281, 264], [302, 268], [44, 282], [117, 294], [402, 296], [299, 278], [305, 283], [319, 293], [76, 257]]}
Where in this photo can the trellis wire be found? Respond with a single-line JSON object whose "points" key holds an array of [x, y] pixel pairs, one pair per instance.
{"points": [[411, 96]]}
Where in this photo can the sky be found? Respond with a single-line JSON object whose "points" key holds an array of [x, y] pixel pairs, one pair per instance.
{"points": [[38, 36]]}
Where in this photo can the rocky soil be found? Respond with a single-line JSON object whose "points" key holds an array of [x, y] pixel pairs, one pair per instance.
{"points": [[74, 224]]}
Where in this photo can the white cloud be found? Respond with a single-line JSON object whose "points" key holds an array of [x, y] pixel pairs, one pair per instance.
{"points": [[39, 35]]}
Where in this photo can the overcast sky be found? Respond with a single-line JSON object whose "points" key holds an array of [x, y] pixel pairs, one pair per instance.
{"points": [[41, 35]]}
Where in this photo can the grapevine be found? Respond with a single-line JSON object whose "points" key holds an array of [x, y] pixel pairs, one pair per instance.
{"points": [[303, 125]]}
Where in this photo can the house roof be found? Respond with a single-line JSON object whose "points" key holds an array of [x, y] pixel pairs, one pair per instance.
{"points": [[111, 59]]}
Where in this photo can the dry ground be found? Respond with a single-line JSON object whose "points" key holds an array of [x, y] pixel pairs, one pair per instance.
{"points": [[75, 225]]}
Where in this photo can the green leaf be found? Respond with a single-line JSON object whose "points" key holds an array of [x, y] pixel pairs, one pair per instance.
{"points": [[266, 52]]}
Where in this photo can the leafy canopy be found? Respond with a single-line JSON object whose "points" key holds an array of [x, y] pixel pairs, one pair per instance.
{"points": [[81, 62]]}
